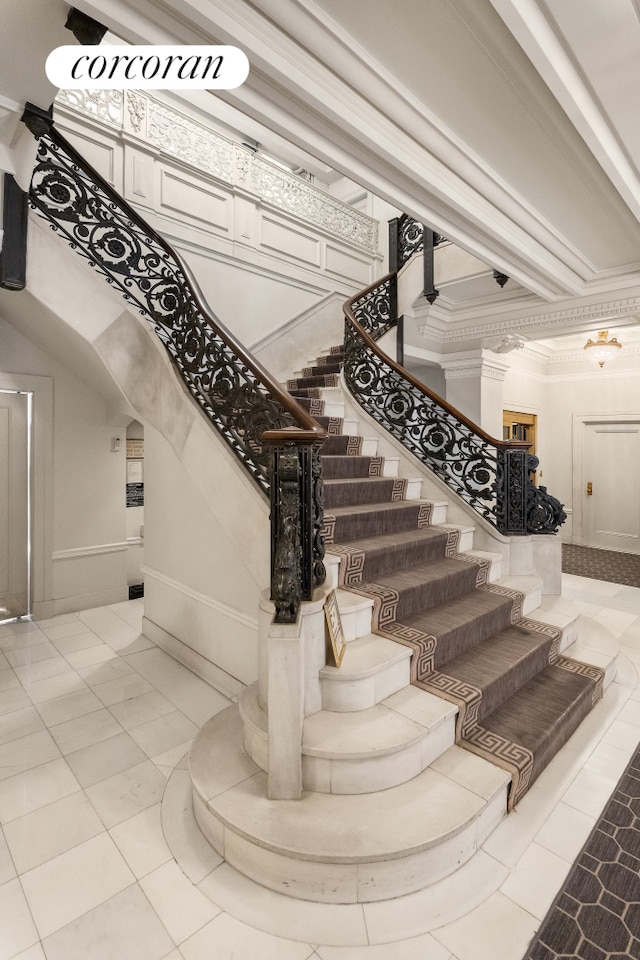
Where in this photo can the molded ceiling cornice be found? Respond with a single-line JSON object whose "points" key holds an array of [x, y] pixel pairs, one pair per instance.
{"points": [[319, 83]]}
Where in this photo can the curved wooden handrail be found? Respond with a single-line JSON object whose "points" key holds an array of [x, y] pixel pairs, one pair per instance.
{"points": [[373, 345]]}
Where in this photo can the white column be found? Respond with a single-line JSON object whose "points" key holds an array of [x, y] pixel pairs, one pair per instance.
{"points": [[474, 382]]}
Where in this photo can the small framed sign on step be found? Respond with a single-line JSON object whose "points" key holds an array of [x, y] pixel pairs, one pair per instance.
{"points": [[338, 644]]}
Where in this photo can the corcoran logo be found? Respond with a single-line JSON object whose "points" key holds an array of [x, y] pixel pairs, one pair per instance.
{"points": [[147, 67]]}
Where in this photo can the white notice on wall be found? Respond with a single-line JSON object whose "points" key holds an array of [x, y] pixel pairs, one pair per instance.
{"points": [[134, 471]]}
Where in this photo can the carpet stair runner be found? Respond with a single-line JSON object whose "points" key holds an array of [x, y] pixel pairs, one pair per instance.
{"points": [[518, 701]]}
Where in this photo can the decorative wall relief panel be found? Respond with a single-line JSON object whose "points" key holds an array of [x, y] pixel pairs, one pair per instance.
{"points": [[152, 122], [191, 198], [282, 237]]}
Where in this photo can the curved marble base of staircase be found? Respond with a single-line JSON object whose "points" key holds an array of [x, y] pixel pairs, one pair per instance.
{"points": [[342, 848]]}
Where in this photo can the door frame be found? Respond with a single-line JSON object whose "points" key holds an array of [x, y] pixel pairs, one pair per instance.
{"points": [[41, 472], [580, 423]]}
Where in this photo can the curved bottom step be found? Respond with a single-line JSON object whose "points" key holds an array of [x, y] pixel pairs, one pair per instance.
{"points": [[342, 849]]}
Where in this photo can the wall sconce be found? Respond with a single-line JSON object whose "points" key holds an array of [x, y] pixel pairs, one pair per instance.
{"points": [[603, 349]]}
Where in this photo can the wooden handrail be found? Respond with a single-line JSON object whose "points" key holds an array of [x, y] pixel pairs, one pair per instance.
{"points": [[372, 344]]}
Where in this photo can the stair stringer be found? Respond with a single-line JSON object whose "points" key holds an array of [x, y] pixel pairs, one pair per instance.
{"points": [[531, 555]]}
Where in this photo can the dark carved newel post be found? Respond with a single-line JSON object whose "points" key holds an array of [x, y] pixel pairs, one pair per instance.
{"points": [[297, 546]]}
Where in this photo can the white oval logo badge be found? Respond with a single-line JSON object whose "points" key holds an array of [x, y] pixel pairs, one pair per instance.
{"points": [[147, 67]]}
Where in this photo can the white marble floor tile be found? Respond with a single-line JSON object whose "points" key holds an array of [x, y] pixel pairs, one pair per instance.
{"points": [[80, 641], [8, 679], [141, 709], [160, 735], [617, 621], [131, 611], [609, 760], [19, 723], [103, 672], [63, 889], [58, 619], [69, 628], [102, 760], [191, 695], [335, 924], [436, 905], [589, 792], [630, 713], [622, 734], [233, 940], [31, 953], [98, 653], [536, 879], [72, 705], [51, 667], [12, 699], [73, 735], [31, 654], [122, 796], [26, 752], [168, 760], [111, 628], [122, 688], [180, 905], [17, 635], [35, 788], [7, 867], [52, 687], [124, 927], [417, 948], [565, 831], [17, 931], [51, 830], [141, 841], [498, 930]]}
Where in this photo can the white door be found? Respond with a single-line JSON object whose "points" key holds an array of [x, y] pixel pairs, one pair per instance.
{"points": [[612, 467], [14, 504]]}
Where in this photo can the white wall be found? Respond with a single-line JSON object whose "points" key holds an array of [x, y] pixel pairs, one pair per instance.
{"points": [[85, 561], [559, 389]]}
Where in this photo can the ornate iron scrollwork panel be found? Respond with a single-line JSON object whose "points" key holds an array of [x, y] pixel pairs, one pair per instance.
{"points": [[151, 278]]}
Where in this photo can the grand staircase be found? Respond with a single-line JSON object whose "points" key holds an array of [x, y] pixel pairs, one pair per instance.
{"points": [[448, 704]]}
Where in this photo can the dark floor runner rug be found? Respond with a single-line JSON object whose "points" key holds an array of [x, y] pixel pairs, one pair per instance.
{"points": [[599, 564], [596, 915]]}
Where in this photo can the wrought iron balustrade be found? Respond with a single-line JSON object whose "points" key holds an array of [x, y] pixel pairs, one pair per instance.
{"points": [[263, 424], [492, 476]]}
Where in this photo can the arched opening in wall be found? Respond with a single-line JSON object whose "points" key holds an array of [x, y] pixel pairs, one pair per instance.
{"points": [[135, 507]]}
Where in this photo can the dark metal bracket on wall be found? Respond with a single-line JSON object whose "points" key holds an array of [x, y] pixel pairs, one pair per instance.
{"points": [[13, 259]]}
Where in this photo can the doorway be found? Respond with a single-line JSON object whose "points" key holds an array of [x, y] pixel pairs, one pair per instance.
{"points": [[15, 503], [609, 495]]}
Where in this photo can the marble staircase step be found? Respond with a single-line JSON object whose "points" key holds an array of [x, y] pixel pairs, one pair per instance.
{"points": [[373, 668], [376, 748], [342, 848]]}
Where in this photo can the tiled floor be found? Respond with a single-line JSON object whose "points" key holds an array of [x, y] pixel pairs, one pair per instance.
{"points": [[100, 858]]}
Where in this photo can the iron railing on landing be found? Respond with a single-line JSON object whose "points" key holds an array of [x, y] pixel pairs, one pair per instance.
{"points": [[275, 439], [492, 476]]}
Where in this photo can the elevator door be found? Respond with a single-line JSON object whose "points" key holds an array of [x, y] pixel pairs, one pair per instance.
{"points": [[14, 505]]}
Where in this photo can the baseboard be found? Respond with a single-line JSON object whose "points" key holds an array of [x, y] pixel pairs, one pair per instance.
{"points": [[44, 609]]}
